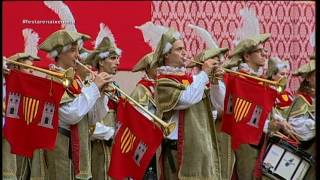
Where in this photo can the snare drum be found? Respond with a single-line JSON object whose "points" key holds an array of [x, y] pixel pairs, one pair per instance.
{"points": [[285, 161]]}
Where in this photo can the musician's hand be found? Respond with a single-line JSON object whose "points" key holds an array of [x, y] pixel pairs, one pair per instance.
{"points": [[102, 78], [275, 125], [5, 71], [218, 73], [286, 127], [209, 65], [107, 88], [5, 68]]}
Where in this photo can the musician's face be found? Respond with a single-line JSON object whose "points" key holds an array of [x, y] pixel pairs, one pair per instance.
{"points": [[110, 64], [312, 79], [283, 73], [27, 62], [256, 58], [176, 55], [68, 58]]}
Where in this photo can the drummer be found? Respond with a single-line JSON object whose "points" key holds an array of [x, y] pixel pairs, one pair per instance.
{"points": [[301, 115]]}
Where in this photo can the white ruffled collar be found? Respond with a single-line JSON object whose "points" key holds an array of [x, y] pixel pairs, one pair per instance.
{"points": [[171, 70]]}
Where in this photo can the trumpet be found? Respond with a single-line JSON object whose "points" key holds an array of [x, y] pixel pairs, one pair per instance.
{"points": [[280, 84], [168, 127], [66, 77]]}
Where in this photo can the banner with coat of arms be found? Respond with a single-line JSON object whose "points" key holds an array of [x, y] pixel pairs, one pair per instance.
{"points": [[247, 105], [136, 142], [31, 114]]}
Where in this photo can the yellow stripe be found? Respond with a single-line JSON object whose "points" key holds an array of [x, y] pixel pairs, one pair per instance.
{"points": [[124, 133], [32, 110], [246, 113], [126, 147], [36, 110], [26, 112], [132, 142], [237, 110], [125, 137], [24, 107], [241, 109], [125, 143], [29, 110], [244, 110], [236, 105]]}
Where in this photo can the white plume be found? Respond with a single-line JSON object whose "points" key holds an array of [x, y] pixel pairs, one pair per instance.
{"points": [[250, 26], [152, 33], [31, 40], [313, 39], [64, 13], [104, 32], [205, 35]]}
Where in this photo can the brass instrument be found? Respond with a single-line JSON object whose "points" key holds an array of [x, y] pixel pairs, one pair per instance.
{"points": [[168, 127], [280, 84], [66, 77]]}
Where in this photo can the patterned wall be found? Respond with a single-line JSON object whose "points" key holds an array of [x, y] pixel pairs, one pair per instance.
{"points": [[290, 23]]}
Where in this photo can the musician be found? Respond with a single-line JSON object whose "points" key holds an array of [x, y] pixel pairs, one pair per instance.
{"points": [[105, 58], [279, 69], [301, 115], [217, 93], [249, 56], [190, 151], [79, 106], [26, 168], [144, 95], [9, 168]]}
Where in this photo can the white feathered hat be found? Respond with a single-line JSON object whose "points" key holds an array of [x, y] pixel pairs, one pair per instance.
{"points": [[62, 40], [160, 38], [248, 37], [31, 40], [104, 45], [213, 47]]}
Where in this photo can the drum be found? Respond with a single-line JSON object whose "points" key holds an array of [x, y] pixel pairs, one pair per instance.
{"points": [[285, 161]]}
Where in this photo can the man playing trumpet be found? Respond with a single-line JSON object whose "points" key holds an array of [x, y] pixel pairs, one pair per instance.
{"points": [[20, 167], [106, 59], [63, 46], [249, 57], [190, 151]]}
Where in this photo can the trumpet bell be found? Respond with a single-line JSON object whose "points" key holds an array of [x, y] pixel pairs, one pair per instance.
{"points": [[170, 128], [66, 82], [282, 83], [69, 73]]}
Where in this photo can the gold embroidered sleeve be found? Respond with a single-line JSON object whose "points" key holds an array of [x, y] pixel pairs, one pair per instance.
{"points": [[168, 93]]}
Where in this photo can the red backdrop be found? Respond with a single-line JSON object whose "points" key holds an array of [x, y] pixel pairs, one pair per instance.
{"points": [[121, 17], [290, 23]]}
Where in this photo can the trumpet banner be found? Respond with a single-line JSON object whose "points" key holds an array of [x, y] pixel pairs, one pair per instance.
{"points": [[247, 105], [31, 115], [136, 142]]}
